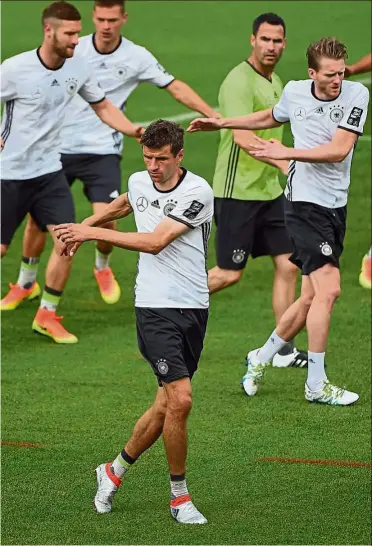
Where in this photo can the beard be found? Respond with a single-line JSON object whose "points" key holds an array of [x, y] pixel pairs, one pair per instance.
{"points": [[62, 51]]}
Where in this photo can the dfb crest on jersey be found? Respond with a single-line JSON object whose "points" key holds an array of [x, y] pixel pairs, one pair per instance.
{"points": [[71, 86], [325, 249], [169, 206], [336, 114], [162, 366], [120, 71], [238, 256], [142, 203]]}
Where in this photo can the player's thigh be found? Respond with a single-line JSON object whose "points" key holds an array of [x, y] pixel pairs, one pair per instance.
{"points": [[160, 341], [312, 232], [235, 220], [53, 203], [101, 177], [15, 203], [271, 236], [194, 327]]}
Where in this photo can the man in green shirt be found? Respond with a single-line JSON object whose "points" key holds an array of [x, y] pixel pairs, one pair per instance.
{"points": [[249, 200]]}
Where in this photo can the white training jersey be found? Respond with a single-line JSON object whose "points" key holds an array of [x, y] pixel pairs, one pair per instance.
{"points": [[176, 277], [36, 98], [314, 122], [118, 73]]}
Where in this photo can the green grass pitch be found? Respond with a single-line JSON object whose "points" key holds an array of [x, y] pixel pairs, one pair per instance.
{"points": [[80, 402]]}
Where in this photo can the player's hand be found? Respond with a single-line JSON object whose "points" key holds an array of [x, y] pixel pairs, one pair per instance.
{"points": [[204, 124], [272, 149], [70, 234]]}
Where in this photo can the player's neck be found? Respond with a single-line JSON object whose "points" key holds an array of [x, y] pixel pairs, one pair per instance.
{"points": [[172, 182], [104, 47], [265, 71], [50, 58]]}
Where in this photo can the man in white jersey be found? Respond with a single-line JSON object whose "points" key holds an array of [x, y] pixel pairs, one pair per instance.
{"points": [[91, 151], [173, 210], [326, 115], [37, 87]]}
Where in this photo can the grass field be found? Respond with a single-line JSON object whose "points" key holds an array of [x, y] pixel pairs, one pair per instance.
{"points": [[79, 403]]}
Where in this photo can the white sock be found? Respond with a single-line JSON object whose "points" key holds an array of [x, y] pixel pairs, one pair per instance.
{"points": [[271, 347], [28, 272], [178, 489], [315, 372], [102, 260]]}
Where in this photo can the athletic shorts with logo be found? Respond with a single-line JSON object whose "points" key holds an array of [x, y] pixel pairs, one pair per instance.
{"points": [[47, 198], [171, 340], [245, 228], [100, 175], [317, 234]]}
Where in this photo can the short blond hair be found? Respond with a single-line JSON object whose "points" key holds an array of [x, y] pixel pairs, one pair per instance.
{"points": [[325, 47]]}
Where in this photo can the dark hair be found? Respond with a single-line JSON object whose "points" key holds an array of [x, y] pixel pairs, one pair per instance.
{"points": [[325, 47], [270, 18], [62, 11], [110, 4], [160, 133]]}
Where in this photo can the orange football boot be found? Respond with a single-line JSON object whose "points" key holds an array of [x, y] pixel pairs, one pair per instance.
{"points": [[48, 324], [365, 277], [108, 285], [17, 295]]}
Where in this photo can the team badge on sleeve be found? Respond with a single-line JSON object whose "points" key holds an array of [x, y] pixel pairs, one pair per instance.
{"points": [[355, 117], [193, 210]]}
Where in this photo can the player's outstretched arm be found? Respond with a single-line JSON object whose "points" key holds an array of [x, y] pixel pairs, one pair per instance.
{"points": [[360, 67], [152, 243], [113, 117], [252, 122], [184, 94]]}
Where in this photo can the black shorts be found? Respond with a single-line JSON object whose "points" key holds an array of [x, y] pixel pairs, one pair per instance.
{"points": [[317, 234], [47, 198], [244, 228], [171, 340], [100, 175]]}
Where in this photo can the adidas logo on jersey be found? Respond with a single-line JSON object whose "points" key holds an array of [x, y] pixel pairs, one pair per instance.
{"points": [[103, 65], [54, 83], [319, 110], [155, 204]]}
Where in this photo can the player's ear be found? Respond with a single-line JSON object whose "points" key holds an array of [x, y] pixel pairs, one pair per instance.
{"points": [[124, 18], [180, 155], [284, 43], [312, 73], [253, 40]]}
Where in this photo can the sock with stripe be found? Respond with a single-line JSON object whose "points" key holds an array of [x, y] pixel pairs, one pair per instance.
{"points": [[122, 464], [271, 347], [102, 260], [179, 491], [50, 298], [316, 372], [28, 272]]}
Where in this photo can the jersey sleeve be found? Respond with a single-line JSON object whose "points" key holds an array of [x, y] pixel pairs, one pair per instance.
{"points": [[236, 96], [356, 112], [91, 91], [153, 72], [8, 86], [195, 207], [281, 110]]}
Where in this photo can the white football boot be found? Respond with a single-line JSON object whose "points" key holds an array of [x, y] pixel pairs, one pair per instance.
{"points": [[187, 513], [332, 395], [108, 484], [255, 373], [296, 359]]}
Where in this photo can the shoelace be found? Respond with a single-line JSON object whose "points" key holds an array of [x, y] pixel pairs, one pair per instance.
{"points": [[331, 391]]}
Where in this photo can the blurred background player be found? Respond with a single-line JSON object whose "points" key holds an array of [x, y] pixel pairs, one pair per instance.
{"points": [[361, 67], [327, 115], [249, 200], [91, 151], [173, 211], [37, 88]]}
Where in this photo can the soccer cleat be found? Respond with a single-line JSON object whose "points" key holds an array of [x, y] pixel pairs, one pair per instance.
{"points": [[108, 285], [330, 394], [17, 295], [297, 359], [365, 277], [107, 484], [255, 373], [184, 511], [48, 324]]}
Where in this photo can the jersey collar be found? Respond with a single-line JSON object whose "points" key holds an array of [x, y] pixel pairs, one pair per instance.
{"points": [[181, 178], [323, 100], [45, 65], [108, 52], [258, 72]]}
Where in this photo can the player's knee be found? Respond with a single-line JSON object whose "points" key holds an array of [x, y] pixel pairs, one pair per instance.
{"points": [[4, 249], [333, 292], [160, 408], [288, 270], [182, 404], [306, 299]]}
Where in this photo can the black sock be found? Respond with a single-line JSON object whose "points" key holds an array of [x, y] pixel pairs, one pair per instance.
{"points": [[287, 349]]}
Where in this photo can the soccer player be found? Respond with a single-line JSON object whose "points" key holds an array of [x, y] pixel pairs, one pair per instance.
{"points": [[173, 211], [249, 200], [91, 151], [37, 87], [361, 67], [326, 115]]}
